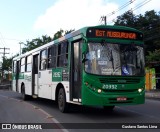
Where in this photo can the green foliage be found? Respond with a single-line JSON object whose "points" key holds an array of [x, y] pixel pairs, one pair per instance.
{"points": [[58, 34], [153, 56], [34, 43], [69, 31], [7, 64], [127, 19], [37, 42]]}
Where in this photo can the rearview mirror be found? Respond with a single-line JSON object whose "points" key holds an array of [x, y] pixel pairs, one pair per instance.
{"points": [[84, 46], [84, 60]]}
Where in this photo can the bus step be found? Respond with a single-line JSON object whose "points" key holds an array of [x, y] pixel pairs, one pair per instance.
{"points": [[34, 96]]}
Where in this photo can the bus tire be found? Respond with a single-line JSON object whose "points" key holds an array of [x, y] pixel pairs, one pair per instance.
{"points": [[62, 104], [108, 108], [24, 96]]}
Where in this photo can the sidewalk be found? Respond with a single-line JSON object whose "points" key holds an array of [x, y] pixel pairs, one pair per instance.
{"points": [[153, 94], [5, 84]]}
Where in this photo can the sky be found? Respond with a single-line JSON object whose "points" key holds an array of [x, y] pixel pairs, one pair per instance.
{"points": [[22, 20]]}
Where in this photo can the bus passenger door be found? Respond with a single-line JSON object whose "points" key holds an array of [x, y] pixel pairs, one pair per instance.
{"points": [[17, 74], [76, 70], [35, 75]]}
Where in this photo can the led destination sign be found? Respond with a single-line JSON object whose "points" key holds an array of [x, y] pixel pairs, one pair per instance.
{"points": [[113, 33]]}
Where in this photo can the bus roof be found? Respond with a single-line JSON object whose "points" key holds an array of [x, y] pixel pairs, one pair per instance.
{"points": [[70, 35], [73, 34]]}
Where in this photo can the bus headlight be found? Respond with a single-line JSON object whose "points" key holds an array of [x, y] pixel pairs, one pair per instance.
{"points": [[99, 90], [140, 90]]}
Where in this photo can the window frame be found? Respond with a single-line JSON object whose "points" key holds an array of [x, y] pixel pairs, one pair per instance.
{"points": [[61, 55], [14, 66], [22, 64], [51, 57], [43, 59], [28, 63]]}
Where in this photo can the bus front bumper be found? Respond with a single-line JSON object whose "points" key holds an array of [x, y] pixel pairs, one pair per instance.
{"points": [[100, 99]]}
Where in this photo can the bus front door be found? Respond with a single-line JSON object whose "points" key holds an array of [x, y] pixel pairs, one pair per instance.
{"points": [[17, 75], [35, 75], [76, 70]]}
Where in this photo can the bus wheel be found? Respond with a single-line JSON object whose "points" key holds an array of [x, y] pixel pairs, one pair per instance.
{"points": [[62, 104], [108, 108], [24, 96]]}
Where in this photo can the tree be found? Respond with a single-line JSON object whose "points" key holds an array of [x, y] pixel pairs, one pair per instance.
{"points": [[58, 34], [69, 31], [37, 42], [153, 56], [6, 66], [34, 43], [151, 28], [127, 19]]}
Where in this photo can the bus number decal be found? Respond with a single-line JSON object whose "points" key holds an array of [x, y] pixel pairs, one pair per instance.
{"points": [[109, 86], [56, 75]]}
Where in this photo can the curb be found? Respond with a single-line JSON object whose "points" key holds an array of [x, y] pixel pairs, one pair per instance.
{"points": [[152, 97]]}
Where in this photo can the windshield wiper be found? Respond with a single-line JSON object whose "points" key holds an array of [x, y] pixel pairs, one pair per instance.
{"points": [[112, 60]]}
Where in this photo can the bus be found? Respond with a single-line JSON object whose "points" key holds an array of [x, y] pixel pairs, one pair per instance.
{"points": [[94, 66]]}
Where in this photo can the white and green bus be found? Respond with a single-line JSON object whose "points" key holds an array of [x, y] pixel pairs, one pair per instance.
{"points": [[98, 66]]}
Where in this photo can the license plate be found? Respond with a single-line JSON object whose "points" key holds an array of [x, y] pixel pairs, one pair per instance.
{"points": [[121, 99]]}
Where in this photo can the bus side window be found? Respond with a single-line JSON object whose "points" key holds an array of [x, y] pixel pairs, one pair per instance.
{"points": [[52, 57], [22, 65], [62, 54], [43, 59], [28, 63]]}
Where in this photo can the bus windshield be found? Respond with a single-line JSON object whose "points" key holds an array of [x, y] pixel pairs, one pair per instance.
{"points": [[114, 59]]}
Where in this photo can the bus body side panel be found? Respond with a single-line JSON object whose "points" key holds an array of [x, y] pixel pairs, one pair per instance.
{"points": [[60, 76], [66, 88], [54, 85], [14, 85], [27, 83], [45, 82], [20, 80], [14, 82], [35, 84], [67, 91]]}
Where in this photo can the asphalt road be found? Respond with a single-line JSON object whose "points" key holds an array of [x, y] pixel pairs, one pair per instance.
{"points": [[14, 110]]}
